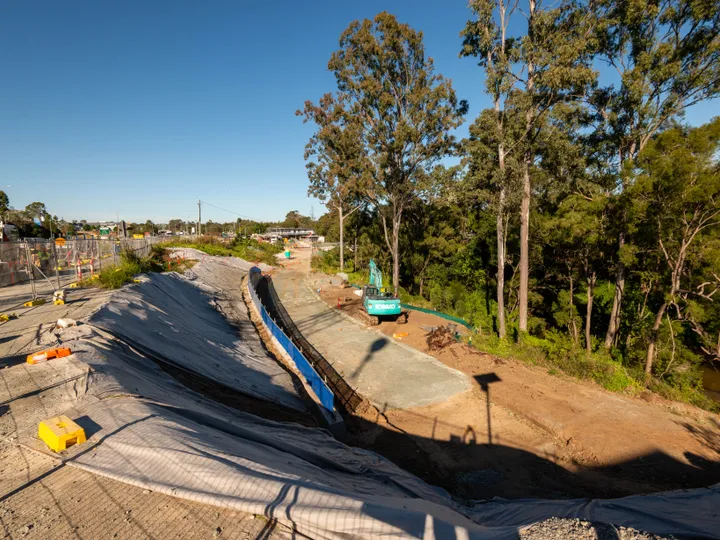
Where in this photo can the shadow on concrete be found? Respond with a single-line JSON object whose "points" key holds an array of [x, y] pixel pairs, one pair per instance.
{"points": [[377, 345], [14, 360], [318, 322], [5, 339], [88, 425]]}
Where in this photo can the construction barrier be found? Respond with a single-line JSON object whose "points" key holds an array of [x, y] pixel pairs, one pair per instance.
{"points": [[319, 387], [445, 316], [35, 267]]}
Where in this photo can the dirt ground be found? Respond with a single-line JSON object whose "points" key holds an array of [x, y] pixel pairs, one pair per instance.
{"points": [[524, 432]]}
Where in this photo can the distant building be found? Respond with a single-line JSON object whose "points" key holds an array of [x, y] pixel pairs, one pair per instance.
{"points": [[273, 234]]}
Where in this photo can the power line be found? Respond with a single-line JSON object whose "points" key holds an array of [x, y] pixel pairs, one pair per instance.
{"points": [[230, 211]]}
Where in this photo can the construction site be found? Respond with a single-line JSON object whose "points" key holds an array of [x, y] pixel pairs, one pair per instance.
{"points": [[237, 400]]}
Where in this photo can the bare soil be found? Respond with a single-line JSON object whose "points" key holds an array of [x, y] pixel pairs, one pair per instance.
{"points": [[547, 435]]}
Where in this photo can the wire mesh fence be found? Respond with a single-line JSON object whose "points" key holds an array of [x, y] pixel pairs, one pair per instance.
{"points": [[34, 268]]}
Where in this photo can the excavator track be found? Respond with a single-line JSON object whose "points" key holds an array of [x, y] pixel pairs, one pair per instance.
{"points": [[370, 320]]}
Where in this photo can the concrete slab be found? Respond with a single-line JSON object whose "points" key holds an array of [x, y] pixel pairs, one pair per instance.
{"points": [[35, 325], [388, 373]]}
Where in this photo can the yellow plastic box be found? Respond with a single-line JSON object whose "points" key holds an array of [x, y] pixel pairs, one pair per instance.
{"points": [[60, 433]]}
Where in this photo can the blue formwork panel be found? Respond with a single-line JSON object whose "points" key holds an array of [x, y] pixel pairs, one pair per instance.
{"points": [[319, 387]]}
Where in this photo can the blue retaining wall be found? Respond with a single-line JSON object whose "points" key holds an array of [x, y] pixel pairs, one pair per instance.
{"points": [[321, 390]]}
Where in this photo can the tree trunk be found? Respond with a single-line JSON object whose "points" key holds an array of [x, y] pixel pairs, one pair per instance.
{"points": [[524, 247], [588, 315], [653, 340], [573, 323], [342, 243], [397, 217], [501, 265], [355, 269], [614, 324], [525, 202]]}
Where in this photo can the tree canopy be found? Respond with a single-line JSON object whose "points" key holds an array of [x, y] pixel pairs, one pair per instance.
{"points": [[581, 221]]}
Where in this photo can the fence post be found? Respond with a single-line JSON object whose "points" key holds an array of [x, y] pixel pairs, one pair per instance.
{"points": [[31, 269], [57, 265]]}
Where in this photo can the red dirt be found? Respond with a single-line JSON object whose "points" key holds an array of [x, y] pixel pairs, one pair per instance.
{"points": [[546, 435], [610, 444]]}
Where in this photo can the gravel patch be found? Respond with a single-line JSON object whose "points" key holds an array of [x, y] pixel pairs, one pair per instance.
{"points": [[558, 528]]}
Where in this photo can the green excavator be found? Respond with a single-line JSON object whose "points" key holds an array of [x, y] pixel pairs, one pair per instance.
{"points": [[377, 302]]}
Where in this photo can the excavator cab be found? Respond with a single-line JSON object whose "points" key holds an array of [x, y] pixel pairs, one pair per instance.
{"points": [[376, 301]]}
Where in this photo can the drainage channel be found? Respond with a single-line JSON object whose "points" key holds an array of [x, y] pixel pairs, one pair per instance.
{"points": [[347, 399]]}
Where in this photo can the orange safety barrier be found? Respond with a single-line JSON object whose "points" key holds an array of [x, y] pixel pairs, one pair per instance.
{"points": [[48, 354]]}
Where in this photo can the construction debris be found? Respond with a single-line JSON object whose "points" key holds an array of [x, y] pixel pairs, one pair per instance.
{"points": [[440, 337], [65, 323]]}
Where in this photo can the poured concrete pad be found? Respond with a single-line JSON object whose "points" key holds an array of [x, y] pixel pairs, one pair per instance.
{"points": [[386, 372]]}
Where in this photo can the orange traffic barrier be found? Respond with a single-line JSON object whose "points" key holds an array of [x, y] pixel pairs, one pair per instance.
{"points": [[49, 354]]}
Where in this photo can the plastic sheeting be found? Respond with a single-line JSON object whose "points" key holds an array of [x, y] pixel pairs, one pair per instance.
{"points": [[153, 433], [176, 442], [693, 512], [197, 255], [148, 430], [168, 316]]}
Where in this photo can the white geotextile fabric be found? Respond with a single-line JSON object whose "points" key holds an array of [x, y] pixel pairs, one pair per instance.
{"points": [[690, 513], [169, 316], [156, 434], [197, 255], [152, 432]]}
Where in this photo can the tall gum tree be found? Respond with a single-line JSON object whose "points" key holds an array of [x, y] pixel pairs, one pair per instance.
{"points": [[486, 38], [676, 193], [334, 158], [404, 111], [666, 54], [531, 73]]}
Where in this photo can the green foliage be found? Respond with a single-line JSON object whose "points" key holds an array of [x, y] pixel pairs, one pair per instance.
{"points": [[619, 193], [388, 126], [244, 248], [4, 203], [130, 265]]}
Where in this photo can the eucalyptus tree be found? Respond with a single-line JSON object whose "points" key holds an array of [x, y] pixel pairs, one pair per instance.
{"points": [[666, 55], [486, 38], [335, 160], [405, 114], [676, 196], [548, 64]]}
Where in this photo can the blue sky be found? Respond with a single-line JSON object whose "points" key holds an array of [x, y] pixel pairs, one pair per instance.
{"points": [[143, 107]]}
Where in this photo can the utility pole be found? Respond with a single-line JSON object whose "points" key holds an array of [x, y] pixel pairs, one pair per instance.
{"points": [[199, 216]]}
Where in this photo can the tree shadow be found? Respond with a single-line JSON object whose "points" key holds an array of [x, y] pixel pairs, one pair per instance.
{"points": [[708, 436]]}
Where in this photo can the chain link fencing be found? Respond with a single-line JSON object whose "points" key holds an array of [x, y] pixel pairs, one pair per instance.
{"points": [[34, 268]]}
